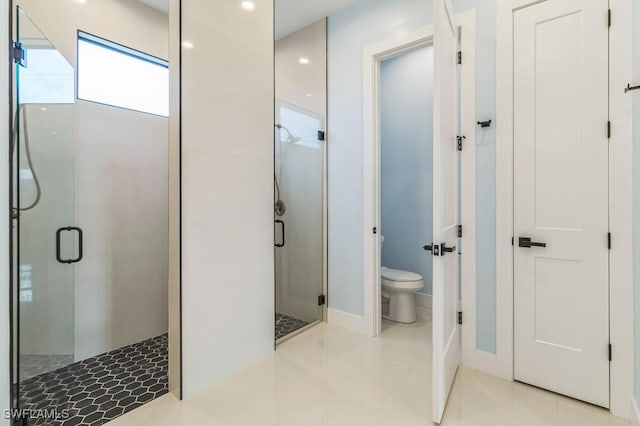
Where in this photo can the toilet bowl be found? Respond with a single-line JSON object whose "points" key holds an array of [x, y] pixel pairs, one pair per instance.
{"points": [[398, 290]]}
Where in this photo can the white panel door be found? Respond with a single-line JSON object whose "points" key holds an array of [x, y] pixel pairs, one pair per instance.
{"points": [[561, 288], [446, 336]]}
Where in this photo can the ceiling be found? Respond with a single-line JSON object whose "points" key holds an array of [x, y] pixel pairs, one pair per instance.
{"points": [[291, 15]]}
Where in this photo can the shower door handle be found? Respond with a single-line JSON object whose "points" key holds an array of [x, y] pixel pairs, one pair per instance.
{"points": [[59, 245], [283, 236]]}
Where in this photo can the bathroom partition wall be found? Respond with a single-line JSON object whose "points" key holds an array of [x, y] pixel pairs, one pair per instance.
{"points": [[300, 160]]}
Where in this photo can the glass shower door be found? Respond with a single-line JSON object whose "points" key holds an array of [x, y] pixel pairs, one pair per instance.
{"points": [[299, 215], [46, 245]]}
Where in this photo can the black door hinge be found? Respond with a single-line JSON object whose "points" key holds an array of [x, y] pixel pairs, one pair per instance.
{"points": [[459, 231], [609, 240], [460, 139], [322, 300], [459, 57], [610, 353], [320, 135], [460, 317], [609, 18], [19, 54], [375, 230], [608, 129]]}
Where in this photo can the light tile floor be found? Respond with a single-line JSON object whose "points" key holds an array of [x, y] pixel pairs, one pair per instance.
{"points": [[331, 376]]}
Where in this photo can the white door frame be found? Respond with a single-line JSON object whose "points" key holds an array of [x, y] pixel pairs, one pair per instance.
{"points": [[620, 188], [373, 56]]}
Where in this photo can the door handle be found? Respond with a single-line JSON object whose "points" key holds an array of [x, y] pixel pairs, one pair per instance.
{"points": [[433, 248], [284, 241], [444, 249], [58, 244], [526, 242]]}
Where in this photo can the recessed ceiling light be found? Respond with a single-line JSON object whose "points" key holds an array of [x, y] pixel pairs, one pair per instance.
{"points": [[304, 61], [187, 45], [309, 95], [80, 1], [43, 109], [249, 6]]}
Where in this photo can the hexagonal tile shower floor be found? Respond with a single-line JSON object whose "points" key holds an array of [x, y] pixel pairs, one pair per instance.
{"points": [[101, 388], [286, 325]]}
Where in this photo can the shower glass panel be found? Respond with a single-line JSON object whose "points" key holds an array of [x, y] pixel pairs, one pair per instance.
{"points": [[299, 177], [43, 208], [89, 247]]}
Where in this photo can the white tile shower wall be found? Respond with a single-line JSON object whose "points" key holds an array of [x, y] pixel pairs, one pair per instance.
{"points": [[121, 198], [46, 287], [227, 188], [103, 305], [299, 274]]}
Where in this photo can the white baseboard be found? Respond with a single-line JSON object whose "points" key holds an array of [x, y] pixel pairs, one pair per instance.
{"points": [[346, 320], [635, 415], [423, 300]]}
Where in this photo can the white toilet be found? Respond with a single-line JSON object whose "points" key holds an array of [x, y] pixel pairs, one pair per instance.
{"points": [[398, 289]]}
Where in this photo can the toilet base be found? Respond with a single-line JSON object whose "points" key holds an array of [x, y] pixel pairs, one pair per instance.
{"points": [[402, 308]]}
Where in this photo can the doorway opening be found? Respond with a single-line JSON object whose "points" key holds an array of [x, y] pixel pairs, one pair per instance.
{"points": [[406, 186]]}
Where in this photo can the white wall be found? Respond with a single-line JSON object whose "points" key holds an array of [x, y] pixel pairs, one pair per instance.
{"points": [[636, 190], [295, 81], [122, 205], [227, 189], [5, 377], [46, 287], [299, 168], [406, 125], [365, 23]]}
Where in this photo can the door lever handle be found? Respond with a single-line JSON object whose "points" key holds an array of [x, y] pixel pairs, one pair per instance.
{"points": [[433, 248], [526, 242], [445, 249]]}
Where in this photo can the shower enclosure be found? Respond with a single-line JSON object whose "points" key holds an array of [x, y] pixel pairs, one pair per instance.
{"points": [[89, 242], [299, 181]]}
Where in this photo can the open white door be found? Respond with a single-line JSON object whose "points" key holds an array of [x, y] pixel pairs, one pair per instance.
{"points": [[446, 335]]}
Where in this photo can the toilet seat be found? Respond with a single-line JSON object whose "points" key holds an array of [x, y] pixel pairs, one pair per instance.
{"points": [[401, 280]]}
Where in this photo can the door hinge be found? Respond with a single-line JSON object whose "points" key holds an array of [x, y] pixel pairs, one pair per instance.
{"points": [[459, 57], [19, 54], [609, 18], [460, 317], [610, 353], [513, 241], [609, 240], [460, 139], [320, 135], [459, 231], [608, 129], [322, 300], [375, 230]]}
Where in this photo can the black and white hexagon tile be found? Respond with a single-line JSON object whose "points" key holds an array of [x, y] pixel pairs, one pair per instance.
{"points": [[101, 388], [286, 325]]}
